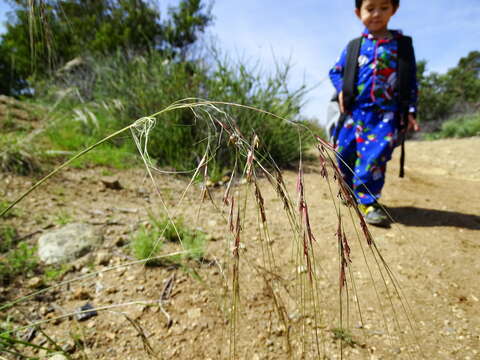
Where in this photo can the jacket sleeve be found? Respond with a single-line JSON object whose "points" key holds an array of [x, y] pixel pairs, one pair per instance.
{"points": [[412, 108], [336, 73]]}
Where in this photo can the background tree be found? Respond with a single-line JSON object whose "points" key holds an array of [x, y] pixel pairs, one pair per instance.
{"points": [[46, 34], [456, 91]]}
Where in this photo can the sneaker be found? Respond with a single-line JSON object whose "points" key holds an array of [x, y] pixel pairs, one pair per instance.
{"points": [[373, 214]]}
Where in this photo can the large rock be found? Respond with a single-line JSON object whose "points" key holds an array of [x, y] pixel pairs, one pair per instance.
{"points": [[68, 243]]}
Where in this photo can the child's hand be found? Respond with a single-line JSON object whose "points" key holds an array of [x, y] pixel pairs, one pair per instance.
{"points": [[412, 123], [340, 102]]}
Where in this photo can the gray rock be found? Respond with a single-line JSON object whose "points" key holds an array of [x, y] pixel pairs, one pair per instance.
{"points": [[57, 357], [68, 243]]}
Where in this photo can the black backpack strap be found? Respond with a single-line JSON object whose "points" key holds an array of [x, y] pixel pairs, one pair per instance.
{"points": [[402, 157], [336, 131], [350, 73], [405, 73]]}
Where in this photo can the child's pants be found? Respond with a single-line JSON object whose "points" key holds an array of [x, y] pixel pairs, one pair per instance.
{"points": [[365, 144]]}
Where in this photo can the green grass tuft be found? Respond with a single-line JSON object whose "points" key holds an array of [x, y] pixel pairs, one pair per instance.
{"points": [[8, 235], [150, 240], [344, 336], [146, 243], [19, 261], [63, 218], [55, 272]]}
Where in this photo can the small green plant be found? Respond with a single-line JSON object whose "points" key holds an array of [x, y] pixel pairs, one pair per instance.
{"points": [[149, 240], [21, 260], [146, 243], [55, 272], [344, 336], [63, 218], [12, 213], [192, 241], [8, 235], [194, 245], [170, 231]]}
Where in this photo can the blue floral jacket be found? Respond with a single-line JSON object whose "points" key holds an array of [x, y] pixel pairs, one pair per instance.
{"points": [[377, 74]]}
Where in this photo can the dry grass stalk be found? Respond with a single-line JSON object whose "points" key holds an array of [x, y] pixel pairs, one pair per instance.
{"points": [[308, 298]]}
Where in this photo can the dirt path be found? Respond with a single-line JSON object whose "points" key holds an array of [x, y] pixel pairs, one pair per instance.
{"points": [[433, 251]]}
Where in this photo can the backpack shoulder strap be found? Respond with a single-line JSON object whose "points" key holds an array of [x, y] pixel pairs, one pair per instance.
{"points": [[350, 73], [405, 71]]}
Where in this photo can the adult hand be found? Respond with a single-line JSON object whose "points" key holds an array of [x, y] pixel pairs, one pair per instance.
{"points": [[412, 123], [340, 102]]}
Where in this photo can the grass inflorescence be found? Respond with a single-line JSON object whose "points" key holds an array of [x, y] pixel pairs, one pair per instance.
{"points": [[303, 295]]}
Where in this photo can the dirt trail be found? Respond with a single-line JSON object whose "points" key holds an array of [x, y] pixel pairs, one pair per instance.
{"points": [[433, 250]]}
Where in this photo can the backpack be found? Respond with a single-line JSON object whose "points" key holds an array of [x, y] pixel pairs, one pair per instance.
{"points": [[335, 119]]}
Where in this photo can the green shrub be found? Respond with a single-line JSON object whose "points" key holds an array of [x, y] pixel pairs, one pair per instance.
{"points": [[127, 88], [459, 127]]}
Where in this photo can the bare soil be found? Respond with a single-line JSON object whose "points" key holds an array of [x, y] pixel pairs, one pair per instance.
{"points": [[432, 250]]}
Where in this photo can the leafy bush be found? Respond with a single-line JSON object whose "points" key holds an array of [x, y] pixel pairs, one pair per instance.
{"points": [[43, 34], [459, 127], [456, 91], [128, 88]]}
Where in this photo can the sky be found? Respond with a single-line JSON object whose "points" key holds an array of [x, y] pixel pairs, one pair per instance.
{"points": [[310, 34]]}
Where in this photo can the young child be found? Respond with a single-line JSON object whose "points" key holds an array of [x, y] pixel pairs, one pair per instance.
{"points": [[368, 136]]}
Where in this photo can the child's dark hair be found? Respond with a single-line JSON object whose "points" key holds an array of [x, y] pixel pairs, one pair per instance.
{"points": [[395, 3]]}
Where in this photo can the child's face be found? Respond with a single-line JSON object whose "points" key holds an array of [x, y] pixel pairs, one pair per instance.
{"points": [[375, 14]]}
